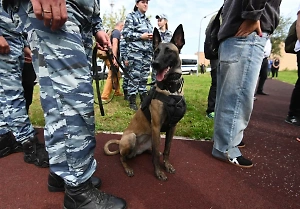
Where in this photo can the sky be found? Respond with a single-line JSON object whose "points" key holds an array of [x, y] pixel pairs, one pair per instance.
{"points": [[194, 15]]}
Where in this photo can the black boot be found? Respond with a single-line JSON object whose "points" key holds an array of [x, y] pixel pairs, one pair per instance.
{"points": [[132, 102], [143, 96], [35, 153], [8, 145], [57, 184], [88, 197], [126, 97]]}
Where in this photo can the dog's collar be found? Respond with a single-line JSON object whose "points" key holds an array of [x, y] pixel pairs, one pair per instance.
{"points": [[173, 84]]}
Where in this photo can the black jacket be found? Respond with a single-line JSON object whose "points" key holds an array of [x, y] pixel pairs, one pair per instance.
{"points": [[236, 11]]}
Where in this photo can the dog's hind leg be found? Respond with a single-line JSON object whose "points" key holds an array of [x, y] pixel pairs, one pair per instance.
{"points": [[169, 137]]}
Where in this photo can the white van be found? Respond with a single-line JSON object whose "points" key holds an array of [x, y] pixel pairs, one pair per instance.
{"points": [[189, 63]]}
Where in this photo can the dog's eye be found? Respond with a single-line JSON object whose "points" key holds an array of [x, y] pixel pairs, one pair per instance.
{"points": [[156, 52]]}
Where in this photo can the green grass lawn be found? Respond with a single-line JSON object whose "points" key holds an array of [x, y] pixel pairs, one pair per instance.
{"points": [[194, 124]]}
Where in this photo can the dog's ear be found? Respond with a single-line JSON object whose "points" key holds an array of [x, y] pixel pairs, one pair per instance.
{"points": [[156, 38], [178, 37]]}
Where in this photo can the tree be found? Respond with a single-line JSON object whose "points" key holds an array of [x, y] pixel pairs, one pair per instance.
{"points": [[280, 34], [109, 20]]}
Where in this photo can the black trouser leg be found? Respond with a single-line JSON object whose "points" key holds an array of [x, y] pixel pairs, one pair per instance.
{"points": [[273, 71], [263, 74], [28, 78], [28, 91], [211, 100], [276, 72], [294, 109]]}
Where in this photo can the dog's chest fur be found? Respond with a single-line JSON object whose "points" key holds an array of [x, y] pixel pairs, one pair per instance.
{"points": [[171, 96]]}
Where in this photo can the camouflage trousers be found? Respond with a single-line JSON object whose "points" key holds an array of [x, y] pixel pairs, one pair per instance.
{"points": [[66, 95], [13, 114], [139, 69], [125, 78]]}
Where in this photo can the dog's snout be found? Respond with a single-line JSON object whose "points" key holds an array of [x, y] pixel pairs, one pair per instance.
{"points": [[155, 64]]}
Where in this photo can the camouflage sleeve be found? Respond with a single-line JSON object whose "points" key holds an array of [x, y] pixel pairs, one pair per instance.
{"points": [[96, 19], [128, 30], [123, 49]]}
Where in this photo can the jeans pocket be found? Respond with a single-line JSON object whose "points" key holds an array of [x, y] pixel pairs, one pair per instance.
{"points": [[231, 49]]}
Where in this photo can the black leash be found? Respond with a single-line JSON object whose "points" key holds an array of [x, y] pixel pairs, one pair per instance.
{"points": [[114, 69], [96, 75]]}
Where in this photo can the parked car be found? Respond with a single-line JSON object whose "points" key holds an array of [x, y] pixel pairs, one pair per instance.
{"points": [[189, 63]]}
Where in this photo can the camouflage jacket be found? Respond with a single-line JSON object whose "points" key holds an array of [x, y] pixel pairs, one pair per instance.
{"points": [[165, 36], [87, 14], [136, 24], [123, 49]]}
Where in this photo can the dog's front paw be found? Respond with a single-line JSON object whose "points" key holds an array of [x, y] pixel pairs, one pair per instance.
{"points": [[169, 168], [129, 172], [161, 175]]}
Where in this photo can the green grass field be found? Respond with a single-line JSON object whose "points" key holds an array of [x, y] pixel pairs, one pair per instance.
{"points": [[194, 124]]}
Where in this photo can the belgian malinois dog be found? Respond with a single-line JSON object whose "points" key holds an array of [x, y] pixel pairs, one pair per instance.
{"points": [[160, 111]]}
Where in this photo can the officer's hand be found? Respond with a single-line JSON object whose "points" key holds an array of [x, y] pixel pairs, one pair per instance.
{"points": [[247, 27], [126, 62], [146, 36], [4, 47], [27, 54], [103, 42], [53, 12]]}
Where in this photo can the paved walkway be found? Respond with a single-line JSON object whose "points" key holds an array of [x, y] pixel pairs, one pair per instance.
{"points": [[200, 180]]}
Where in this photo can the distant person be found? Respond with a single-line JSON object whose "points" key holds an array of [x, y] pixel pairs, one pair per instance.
{"points": [[202, 68], [113, 82], [263, 74], [275, 67], [270, 62], [162, 22], [138, 33], [293, 116], [165, 34]]}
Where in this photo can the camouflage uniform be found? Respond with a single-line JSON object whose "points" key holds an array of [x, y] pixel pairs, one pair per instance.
{"points": [[139, 52], [166, 38], [13, 114], [66, 90], [123, 52]]}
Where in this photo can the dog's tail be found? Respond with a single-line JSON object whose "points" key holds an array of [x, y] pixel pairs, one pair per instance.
{"points": [[106, 147]]}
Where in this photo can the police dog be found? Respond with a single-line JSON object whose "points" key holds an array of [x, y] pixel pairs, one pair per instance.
{"points": [[160, 111]]}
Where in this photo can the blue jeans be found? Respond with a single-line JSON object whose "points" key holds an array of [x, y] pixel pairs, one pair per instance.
{"points": [[240, 61]]}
